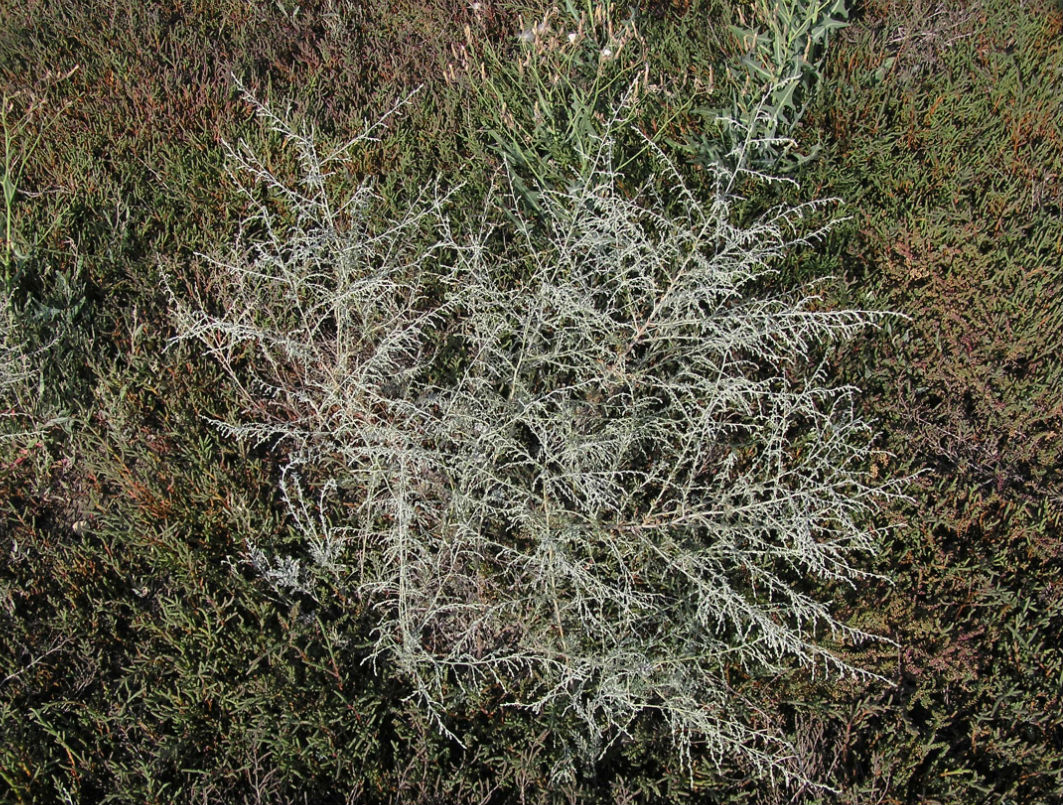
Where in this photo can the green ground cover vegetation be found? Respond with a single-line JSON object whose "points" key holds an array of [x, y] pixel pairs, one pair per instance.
{"points": [[144, 657]]}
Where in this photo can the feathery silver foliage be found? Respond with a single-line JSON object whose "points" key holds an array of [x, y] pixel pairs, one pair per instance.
{"points": [[580, 462]]}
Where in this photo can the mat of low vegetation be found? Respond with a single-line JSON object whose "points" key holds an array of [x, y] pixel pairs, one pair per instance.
{"points": [[149, 649]]}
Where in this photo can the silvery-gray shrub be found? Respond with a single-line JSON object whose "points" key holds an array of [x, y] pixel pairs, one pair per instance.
{"points": [[580, 462]]}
